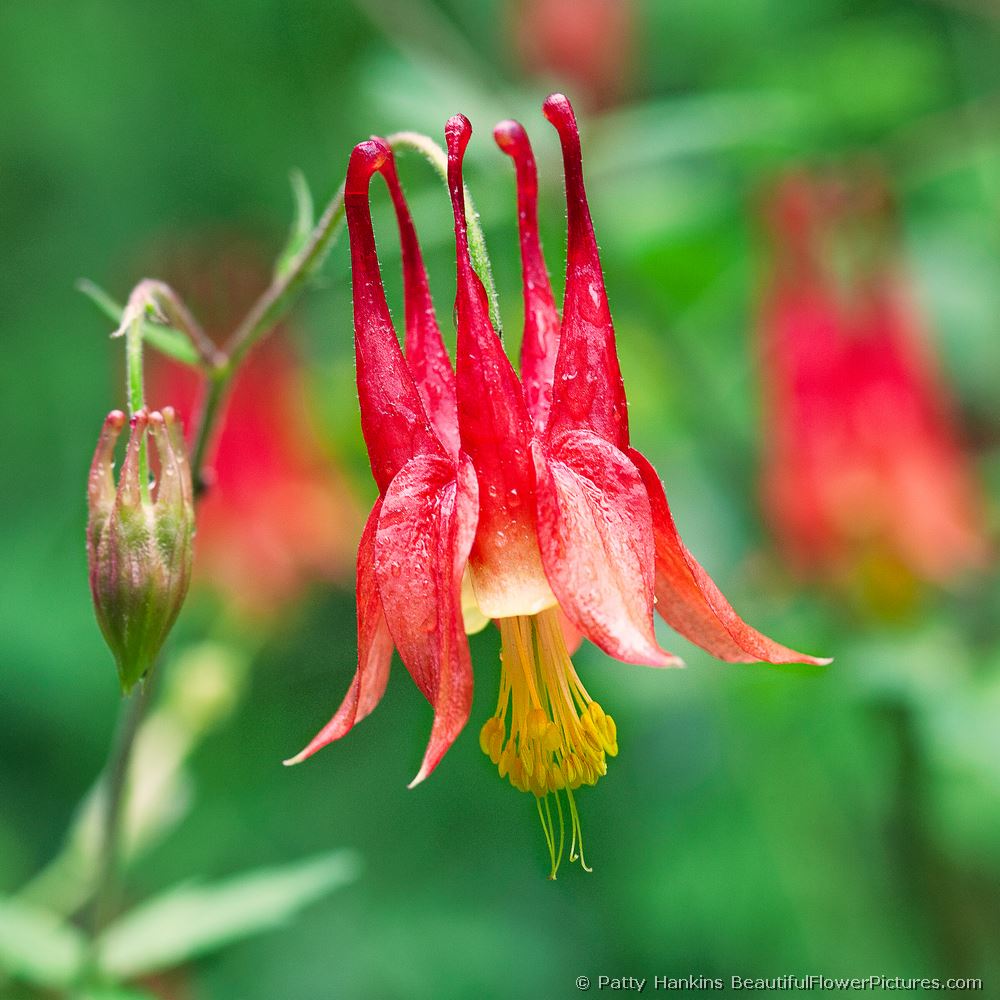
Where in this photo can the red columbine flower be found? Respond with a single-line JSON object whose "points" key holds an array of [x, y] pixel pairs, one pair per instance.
{"points": [[525, 492], [864, 469]]}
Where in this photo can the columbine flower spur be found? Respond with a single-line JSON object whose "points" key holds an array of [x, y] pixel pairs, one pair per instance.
{"points": [[519, 501]]}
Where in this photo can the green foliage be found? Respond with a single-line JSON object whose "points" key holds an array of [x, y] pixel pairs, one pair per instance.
{"points": [[189, 920], [37, 946]]}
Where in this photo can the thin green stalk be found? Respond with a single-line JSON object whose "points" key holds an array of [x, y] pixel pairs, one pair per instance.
{"points": [[282, 292], [262, 318], [114, 783], [135, 392], [218, 384]]}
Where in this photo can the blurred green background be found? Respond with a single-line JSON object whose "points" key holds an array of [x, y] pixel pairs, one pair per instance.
{"points": [[758, 821]]}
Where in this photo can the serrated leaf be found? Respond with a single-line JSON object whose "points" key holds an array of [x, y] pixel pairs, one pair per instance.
{"points": [[191, 919], [36, 946]]}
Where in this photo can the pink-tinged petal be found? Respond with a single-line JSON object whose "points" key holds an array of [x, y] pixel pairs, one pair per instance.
{"points": [[588, 393], [374, 650], [496, 429], [422, 544], [425, 350], [541, 321], [691, 603], [393, 419], [596, 536]]}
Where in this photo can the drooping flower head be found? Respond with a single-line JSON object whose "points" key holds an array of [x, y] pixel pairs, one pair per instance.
{"points": [[139, 540], [864, 472], [518, 500]]}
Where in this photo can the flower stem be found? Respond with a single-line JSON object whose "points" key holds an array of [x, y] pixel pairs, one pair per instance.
{"points": [[217, 384], [276, 300], [220, 368], [263, 317], [135, 393], [114, 783]]}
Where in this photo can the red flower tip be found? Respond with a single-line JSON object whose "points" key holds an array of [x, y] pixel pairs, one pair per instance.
{"points": [[559, 112], [366, 158], [512, 139], [457, 133]]}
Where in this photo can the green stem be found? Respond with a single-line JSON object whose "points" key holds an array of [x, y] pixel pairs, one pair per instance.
{"points": [[135, 392], [217, 386], [262, 318], [284, 289], [114, 783], [220, 370]]}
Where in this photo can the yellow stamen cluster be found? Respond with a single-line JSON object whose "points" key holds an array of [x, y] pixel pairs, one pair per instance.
{"points": [[558, 738]]}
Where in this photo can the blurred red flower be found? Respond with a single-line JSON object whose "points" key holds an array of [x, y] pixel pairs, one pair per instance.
{"points": [[276, 515], [863, 460], [585, 45]]}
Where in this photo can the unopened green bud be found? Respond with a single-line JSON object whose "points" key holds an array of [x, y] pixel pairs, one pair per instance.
{"points": [[139, 540]]}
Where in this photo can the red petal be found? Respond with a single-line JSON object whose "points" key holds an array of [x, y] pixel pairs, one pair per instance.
{"points": [[691, 603], [587, 393], [425, 350], [596, 537], [422, 544], [541, 321], [496, 428], [393, 418], [374, 650]]}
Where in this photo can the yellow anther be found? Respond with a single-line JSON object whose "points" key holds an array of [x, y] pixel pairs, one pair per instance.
{"points": [[538, 722], [552, 740], [484, 736]]}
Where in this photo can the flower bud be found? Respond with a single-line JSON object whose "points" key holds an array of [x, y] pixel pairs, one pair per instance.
{"points": [[139, 540]]}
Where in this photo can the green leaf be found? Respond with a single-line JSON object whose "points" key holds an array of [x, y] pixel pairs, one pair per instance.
{"points": [[165, 339], [37, 946], [302, 224], [170, 342], [191, 919]]}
